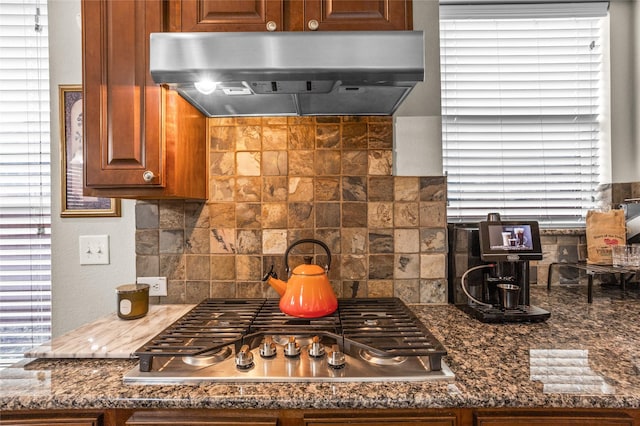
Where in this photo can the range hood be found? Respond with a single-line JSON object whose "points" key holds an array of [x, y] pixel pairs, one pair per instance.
{"points": [[290, 73]]}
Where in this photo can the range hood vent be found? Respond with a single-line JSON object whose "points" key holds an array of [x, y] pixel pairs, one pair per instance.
{"points": [[290, 73]]}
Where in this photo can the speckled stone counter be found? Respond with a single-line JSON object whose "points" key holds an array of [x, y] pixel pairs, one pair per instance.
{"points": [[584, 356]]}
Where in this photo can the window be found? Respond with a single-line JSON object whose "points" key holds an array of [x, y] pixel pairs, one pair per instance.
{"points": [[25, 213], [522, 89]]}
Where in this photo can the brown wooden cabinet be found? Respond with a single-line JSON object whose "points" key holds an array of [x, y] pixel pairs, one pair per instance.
{"points": [[382, 420], [187, 418], [140, 139], [327, 417], [290, 15], [72, 418], [553, 418]]}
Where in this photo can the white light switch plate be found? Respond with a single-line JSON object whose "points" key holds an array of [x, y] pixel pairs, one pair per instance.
{"points": [[94, 249]]}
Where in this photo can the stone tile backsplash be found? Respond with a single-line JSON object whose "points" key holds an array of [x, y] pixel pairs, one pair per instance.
{"points": [[274, 180]]}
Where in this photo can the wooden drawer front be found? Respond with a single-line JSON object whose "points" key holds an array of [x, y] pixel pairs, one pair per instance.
{"points": [[339, 420], [542, 419], [49, 419], [185, 418]]}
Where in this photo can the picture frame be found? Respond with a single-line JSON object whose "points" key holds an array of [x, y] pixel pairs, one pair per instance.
{"points": [[74, 203]]}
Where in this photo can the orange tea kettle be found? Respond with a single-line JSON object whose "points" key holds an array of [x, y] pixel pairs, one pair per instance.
{"points": [[308, 293]]}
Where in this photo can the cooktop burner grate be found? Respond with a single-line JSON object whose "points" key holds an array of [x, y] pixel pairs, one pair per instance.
{"points": [[384, 327]]}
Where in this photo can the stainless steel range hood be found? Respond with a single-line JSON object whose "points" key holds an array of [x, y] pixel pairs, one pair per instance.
{"points": [[290, 73]]}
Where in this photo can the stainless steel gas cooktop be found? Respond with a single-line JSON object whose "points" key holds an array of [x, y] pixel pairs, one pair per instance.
{"points": [[235, 340]]}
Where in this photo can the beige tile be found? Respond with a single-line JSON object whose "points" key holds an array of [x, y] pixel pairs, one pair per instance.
{"points": [[274, 188], [274, 137], [222, 215], [274, 241], [406, 214], [406, 240], [248, 163], [327, 162], [222, 189], [249, 241], [380, 288], [248, 268], [433, 266], [248, 215], [302, 137], [197, 267], [407, 265], [380, 134], [301, 163], [327, 189], [380, 215], [223, 267], [327, 136], [223, 240], [274, 163], [274, 215], [354, 267], [222, 164], [354, 241], [300, 189], [406, 188], [380, 162], [248, 138], [433, 214], [248, 189]]}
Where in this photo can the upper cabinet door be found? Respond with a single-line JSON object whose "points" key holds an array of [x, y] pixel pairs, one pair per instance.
{"points": [[357, 15], [122, 137], [226, 15], [140, 139]]}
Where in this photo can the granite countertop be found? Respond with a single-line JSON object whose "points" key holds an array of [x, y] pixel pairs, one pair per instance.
{"points": [[583, 356]]}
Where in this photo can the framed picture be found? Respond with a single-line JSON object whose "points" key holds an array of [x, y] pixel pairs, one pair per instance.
{"points": [[74, 203]]}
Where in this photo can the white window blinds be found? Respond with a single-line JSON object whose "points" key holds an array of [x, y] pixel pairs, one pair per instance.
{"points": [[25, 213], [521, 109]]}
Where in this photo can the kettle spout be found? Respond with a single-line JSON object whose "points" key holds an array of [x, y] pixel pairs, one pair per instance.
{"points": [[272, 279]]}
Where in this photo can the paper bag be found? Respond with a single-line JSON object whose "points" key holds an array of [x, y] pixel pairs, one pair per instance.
{"points": [[604, 229]]}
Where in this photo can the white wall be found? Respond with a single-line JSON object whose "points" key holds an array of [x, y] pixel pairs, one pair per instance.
{"points": [[417, 123], [625, 90], [80, 293]]}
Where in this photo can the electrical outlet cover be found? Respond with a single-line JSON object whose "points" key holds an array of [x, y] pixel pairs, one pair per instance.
{"points": [[158, 285]]}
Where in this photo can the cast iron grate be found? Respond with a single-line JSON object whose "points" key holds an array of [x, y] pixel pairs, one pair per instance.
{"points": [[383, 326]]}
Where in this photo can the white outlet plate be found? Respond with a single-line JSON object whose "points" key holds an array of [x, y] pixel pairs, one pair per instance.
{"points": [[158, 285], [94, 249]]}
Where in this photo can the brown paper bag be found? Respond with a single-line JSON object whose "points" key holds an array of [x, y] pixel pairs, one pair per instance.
{"points": [[604, 229]]}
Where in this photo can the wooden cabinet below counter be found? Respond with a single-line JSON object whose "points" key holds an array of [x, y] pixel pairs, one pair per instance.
{"points": [[290, 15], [327, 417]]}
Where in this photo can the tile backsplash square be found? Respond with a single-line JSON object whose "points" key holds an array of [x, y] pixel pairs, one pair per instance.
{"points": [[274, 180]]}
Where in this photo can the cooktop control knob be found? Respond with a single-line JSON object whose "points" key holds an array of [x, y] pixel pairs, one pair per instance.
{"points": [[244, 358], [336, 358], [292, 348], [316, 349], [267, 348]]}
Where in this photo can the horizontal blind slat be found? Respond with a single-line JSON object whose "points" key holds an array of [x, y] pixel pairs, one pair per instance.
{"points": [[520, 123], [25, 216]]}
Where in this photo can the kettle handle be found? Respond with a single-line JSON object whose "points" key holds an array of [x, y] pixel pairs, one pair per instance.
{"points": [[307, 240]]}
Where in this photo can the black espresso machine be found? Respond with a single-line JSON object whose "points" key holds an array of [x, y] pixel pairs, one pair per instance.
{"points": [[489, 269]]}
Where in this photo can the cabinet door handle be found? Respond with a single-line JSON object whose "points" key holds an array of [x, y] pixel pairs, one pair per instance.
{"points": [[272, 26], [313, 25], [148, 176]]}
